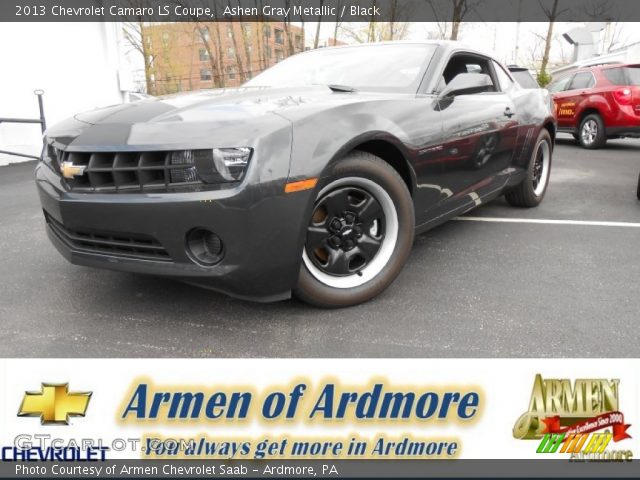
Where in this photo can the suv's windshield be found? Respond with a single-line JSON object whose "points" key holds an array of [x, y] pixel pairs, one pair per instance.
{"points": [[390, 67]]}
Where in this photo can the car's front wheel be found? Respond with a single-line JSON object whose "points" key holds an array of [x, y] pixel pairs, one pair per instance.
{"points": [[359, 235]]}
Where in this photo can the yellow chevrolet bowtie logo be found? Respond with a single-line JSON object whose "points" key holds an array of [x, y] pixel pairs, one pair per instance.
{"points": [[54, 404], [69, 170]]}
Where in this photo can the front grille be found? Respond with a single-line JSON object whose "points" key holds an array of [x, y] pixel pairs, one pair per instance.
{"points": [[125, 171], [141, 247]]}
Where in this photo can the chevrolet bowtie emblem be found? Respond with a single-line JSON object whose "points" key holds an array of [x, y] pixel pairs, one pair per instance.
{"points": [[69, 170], [54, 404]]}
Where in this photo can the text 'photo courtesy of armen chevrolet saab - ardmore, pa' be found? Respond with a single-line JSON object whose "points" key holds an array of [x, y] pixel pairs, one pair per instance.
{"points": [[455, 184]]}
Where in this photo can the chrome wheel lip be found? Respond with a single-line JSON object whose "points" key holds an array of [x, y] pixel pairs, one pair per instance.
{"points": [[543, 149], [589, 132], [382, 257]]}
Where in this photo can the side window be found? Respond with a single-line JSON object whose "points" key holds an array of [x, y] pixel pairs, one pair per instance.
{"points": [[505, 81], [466, 63], [560, 85], [582, 80]]}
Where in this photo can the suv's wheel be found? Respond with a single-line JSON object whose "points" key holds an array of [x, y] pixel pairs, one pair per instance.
{"points": [[531, 191], [638, 192], [591, 133], [359, 235]]}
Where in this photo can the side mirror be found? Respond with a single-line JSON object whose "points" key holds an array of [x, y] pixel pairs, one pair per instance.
{"points": [[467, 83]]}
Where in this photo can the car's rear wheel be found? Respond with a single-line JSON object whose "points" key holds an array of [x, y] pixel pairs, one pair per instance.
{"points": [[359, 235], [532, 190], [591, 133], [638, 192]]}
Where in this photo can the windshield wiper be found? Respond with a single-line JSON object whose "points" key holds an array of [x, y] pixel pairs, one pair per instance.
{"points": [[341, 88]]}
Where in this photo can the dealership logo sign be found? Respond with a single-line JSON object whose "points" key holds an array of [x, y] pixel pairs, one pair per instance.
{"points": [[54, 404], [580, 419]]}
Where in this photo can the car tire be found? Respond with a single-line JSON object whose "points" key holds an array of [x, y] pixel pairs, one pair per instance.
{"points": [[638, 191], [591, 133], [531, 191], [359, 234]]}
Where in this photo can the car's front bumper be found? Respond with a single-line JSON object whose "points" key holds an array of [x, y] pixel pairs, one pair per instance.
{"points": [[261, 228]]}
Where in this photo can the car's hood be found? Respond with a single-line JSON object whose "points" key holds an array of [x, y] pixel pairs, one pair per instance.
{"points": [[216, 105]]}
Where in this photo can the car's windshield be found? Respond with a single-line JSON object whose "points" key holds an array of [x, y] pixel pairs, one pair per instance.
{"points": [[390, 67]]}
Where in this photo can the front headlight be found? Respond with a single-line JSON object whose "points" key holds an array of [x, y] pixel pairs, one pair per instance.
{"points": [[222, 165]]}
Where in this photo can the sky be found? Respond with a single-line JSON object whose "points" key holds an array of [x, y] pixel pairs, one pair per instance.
{"points": [[499, 38]]}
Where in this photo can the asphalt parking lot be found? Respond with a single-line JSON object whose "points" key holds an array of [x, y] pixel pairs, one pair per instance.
{"points": [[477, 288]]}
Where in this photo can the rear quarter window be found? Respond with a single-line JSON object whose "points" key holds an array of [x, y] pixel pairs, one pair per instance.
{"points": [[623, 75]]}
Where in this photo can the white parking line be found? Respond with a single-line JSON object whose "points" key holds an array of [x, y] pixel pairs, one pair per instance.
{"points": [[550, 222]]}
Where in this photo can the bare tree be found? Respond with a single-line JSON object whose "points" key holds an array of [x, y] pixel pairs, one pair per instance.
{"points": [[452, 20], [260, 38], [338, 22], [372, 24], [552, 15], [316, 40], [134, 35], [376, 31]]}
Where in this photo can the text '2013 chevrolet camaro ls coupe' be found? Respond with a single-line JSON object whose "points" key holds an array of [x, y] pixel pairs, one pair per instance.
{"points": [[310, 179]]}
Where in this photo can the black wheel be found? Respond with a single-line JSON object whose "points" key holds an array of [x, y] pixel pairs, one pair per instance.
{"points": [[638, 192], [531, 191], [359, 236], [591, 133]]}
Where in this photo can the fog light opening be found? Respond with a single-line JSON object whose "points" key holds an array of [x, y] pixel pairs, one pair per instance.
{"points": [[204, 246]]}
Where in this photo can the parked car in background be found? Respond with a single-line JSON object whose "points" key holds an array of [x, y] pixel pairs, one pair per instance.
{"points": [[598, 103], [523, 76], [312, 178]]}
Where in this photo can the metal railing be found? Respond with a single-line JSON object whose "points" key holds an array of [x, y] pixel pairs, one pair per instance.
{"points": [[41, 121]]}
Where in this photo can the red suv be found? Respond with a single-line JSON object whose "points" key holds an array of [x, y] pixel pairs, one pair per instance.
{"points": [[597, 103]]}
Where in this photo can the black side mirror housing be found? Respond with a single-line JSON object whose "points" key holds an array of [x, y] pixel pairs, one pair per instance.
{"points": [[466, 84]]}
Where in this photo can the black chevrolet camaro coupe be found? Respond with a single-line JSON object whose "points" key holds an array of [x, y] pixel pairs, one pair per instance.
{"points": [[310, 179]]}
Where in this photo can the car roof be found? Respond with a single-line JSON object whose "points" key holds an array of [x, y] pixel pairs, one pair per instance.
{"points": [[448, 44], [602, 66]]}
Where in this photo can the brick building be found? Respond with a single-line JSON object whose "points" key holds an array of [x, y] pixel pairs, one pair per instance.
{"points": [[191, 56]]}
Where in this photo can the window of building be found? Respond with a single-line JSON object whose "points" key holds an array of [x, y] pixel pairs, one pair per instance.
{"points": [[299, 42], [279, 55], [203, 54], [230, 31], [267, 51], [165, 38], [279, 34], [205, 74], [204, 34], [246, 29], [266, 30], [231, 52], [231, 72]]}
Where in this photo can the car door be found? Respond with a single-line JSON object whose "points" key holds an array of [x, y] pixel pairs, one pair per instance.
{"points": [[575, 96], [477, 141], [565, 110]]}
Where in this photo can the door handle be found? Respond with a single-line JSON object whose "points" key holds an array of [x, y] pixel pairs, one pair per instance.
{"points": [[509, 113]]}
